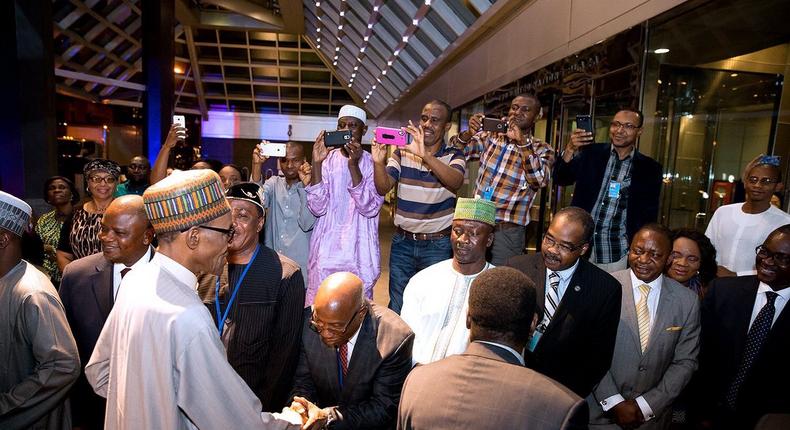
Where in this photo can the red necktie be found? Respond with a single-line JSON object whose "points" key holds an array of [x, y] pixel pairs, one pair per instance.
{"points": [[342, 353]]}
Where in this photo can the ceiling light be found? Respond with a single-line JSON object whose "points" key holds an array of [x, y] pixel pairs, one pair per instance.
{"points": [[733, 75], [334, 63], [178, 69], [396, 53], [356, 68], [389, 63], [427, 2], [353, 75], [378, 80], [659, 82], [366, 38], [362, 49], [318, 39], [415, 21], [384, 72], [318, 4], [342, 13], [318, 46], [337, 48], [373, 87], [318, 30], [376, 8], [370, 25], [661, 51], [349, 85], [340, 27], [405, 39], [336, 57]]}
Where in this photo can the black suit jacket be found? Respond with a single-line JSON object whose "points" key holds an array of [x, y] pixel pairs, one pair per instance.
{"points": [[586, 170], [577, 347], [379, 364], [87, 295], [726, 312]]}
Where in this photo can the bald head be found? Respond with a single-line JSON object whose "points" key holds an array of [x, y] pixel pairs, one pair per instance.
{"points": [[125, 232], [338, 302]]}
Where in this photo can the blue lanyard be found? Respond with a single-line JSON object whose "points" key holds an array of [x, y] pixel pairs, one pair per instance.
{"points": [[222, 317]]}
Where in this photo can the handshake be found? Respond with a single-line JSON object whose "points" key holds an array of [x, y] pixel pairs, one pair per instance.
{"points": [[304, 414]]}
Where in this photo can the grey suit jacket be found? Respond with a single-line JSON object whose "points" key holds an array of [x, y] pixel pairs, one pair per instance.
{"points": [[661, 373], [486, 388]]}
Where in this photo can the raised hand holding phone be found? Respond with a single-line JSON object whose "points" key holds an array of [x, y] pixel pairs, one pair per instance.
{"points": [[417, 144]]}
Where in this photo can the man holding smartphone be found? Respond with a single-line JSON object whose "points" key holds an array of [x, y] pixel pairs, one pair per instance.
{"points": [[428, 174], [617, 184], [514, 166], [342, 195]]}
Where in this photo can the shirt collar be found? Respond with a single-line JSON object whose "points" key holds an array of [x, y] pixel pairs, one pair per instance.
{"points": [[180, 272], [117, 267], [655, 284], [566, 274], [630, 154], [764, 288], [506, 348]]}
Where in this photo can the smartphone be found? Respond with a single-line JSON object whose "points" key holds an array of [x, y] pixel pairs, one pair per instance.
{"points": [[180, 120], [584, 122], [337, 138], [392, 136], [272, 149], [494, 125]]}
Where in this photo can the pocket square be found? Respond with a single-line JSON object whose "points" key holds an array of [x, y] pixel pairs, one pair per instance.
{"points": [[674, 328]]}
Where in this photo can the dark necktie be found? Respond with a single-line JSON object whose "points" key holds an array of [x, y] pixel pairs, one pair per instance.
{"points": [[754, 342], [342, 355]]}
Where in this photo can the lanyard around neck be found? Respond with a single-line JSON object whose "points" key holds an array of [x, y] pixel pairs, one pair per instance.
{"points": [[221, 317]]}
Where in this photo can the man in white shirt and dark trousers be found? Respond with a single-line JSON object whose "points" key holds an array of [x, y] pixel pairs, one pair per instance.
{"points": [[657, 341]]}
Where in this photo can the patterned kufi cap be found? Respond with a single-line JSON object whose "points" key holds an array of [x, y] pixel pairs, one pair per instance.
{"points": [[185, 199], [481, 210], [14, 214], [248, 191], [103, 165]]}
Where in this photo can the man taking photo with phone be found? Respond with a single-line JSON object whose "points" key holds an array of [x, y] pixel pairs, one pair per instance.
{"points": [[514, 166], [617, 184], [428, 174]]}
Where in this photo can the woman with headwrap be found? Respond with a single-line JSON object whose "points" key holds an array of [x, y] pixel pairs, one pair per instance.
{"points": [[80, 234]]}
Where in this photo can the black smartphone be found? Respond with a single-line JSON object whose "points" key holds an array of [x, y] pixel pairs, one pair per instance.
{"points": [[337, 138], [584, 122], [494, 125]]}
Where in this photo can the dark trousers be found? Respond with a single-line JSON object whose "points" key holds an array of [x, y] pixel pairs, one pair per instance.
{"points": [[409, 256]]}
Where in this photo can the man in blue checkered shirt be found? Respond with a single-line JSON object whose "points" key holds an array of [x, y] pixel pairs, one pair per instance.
{"points": [[617, 184]]}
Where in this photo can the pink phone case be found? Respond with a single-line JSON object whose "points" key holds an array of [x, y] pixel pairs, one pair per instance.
{"points": [[392, 136]]}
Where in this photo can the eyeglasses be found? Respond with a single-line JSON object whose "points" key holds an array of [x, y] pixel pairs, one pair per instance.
{"points": [[102, 179], [550, 241], [230, 232], [627, 126], [779, 258], [318, 326], [764, 181]]}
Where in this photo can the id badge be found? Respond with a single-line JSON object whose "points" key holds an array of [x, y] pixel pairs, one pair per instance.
{"points": [[533, 342], [488, 193], [614, 190]]}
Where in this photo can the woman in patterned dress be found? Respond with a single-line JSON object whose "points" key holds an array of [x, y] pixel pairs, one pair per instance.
{"points": [[61, 193], [80, 234]]}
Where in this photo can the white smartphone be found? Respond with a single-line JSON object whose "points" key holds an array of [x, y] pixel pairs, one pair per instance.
{"points": [[272, 149], [180, 120]]}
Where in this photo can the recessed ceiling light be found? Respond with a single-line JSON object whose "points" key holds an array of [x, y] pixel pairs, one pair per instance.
{"points": [[362, 49], [340, 27], [384, 72], [427, 2], [389, 63], [415, 21], [337, 48], [318, 4], [349, 85], [336, 57], [376, 8], [356, 68], [661, 51], [373, 87], [318, 46], [396, 53], [334, 63], [405, 38], [733, 75], [342, 13], [318, 30], [370, 25], [366, 38], [318, 39]]}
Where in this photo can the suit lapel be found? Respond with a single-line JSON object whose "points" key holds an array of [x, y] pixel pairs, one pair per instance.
{"points": [[747, 297], [103, 288], [540, 282], [571, 295], [666, 306], [628, 308], [365, 352]]}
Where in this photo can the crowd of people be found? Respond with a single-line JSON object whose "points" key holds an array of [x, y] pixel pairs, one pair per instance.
{"points": [[198, 299]]}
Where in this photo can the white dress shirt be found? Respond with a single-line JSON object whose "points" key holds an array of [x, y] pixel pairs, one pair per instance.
{"points": [[652, 307], [118, 267], [762, 299], [565, 279], [350, 344]]}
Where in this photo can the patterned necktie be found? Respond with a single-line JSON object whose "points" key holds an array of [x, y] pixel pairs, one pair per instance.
{"points": [[754, 342], [643, 316], [552, 297], [342, 355]]}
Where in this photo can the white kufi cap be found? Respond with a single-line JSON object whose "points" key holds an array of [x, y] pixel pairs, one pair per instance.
{"points": [[14, 214], [353, 111]]}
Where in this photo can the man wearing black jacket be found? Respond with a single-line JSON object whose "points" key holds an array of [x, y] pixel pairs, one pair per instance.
{"points": [[619, 186]]}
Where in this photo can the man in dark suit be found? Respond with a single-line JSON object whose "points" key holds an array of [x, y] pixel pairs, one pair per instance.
{"points": [[579, 305], [89, 288], [615, 183], [657, 341], [746, 341], [355, 356], [488, 387]]}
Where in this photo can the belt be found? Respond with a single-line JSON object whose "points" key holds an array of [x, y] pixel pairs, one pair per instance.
{"points": [[424, 236], [505, 225]]}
